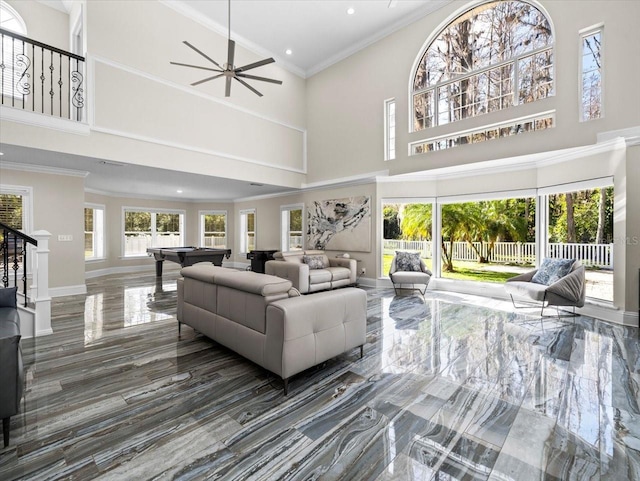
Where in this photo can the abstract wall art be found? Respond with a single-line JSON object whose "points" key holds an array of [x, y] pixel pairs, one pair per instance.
{"points": [[340, 224]]}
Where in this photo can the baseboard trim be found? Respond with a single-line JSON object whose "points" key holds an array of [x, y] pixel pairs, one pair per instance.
{"points": [[67, 291], [127, 270]]}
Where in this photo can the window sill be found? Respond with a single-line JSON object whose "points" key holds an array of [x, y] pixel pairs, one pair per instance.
{"points": [[93, 260], [135, 256]]}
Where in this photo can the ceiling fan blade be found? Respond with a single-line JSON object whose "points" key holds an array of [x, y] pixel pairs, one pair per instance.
{"points": [[206, 80], [196, 66], [231, 53], [202, 53], [227, 88], [244, 68], [248, 86], [263, 79]]}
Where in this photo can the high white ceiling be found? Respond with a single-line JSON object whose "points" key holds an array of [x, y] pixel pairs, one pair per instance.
{"points": [[319, 33]]}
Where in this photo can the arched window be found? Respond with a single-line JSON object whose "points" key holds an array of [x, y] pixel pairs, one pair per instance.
{"points": [[11, 20], [494, 56]]}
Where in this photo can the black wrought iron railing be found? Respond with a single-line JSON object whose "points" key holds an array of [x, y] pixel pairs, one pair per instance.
{"points": [[40, 78], [13, 257]]}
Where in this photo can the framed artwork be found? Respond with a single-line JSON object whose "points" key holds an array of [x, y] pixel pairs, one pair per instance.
{"points": [[340, 224]]}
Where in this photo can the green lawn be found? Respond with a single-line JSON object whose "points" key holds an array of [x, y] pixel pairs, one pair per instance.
{"points": [[467, 271]]}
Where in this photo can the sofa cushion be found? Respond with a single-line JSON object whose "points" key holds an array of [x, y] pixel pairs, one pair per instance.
{"points": [[316, 262], [552, 270], [408, 261], [316, 276], [255, 283], [8, 297], [339, 273]]}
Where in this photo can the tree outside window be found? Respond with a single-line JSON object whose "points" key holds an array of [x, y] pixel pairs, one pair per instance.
{"points": [[496, 55]]}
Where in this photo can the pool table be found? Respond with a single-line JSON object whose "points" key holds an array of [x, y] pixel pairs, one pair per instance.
{"points": [[187, 256]]}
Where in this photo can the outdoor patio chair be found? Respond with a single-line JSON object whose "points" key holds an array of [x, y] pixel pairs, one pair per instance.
{"points": [[409, 268], [558, 282]]}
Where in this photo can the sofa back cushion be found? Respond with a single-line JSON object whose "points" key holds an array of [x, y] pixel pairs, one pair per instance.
{"points": [[293, 256], [261, 284]]}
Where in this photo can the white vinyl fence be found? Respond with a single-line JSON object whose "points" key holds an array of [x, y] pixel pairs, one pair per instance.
{"points": [[215, 239], [137, 243], [597, 255]]}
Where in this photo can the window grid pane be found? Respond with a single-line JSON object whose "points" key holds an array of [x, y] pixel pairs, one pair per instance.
{"points": [[591, 97]]}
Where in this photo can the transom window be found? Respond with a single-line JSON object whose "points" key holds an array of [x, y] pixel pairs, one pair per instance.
{"points": [[494, 56]]}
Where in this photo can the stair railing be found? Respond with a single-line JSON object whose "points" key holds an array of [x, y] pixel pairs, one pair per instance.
{"points": [[13, 255]]}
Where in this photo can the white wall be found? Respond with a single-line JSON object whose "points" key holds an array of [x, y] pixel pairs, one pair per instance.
{"points": [[345, 101], [44, 24], [58, 202]]}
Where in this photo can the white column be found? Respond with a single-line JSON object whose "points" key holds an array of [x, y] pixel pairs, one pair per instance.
{"points": [[41, 277]]}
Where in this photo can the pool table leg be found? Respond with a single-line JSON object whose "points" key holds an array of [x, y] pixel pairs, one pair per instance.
{"points": [[159, 268]]}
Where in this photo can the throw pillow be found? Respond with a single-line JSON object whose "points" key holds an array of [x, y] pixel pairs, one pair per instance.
{"points": [[408, 261], [314, 262], [8, 297], [552, 270]]}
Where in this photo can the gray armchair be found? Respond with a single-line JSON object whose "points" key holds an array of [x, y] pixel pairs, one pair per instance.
{"points": [[11, 372], [399, 277], [567, 291]]}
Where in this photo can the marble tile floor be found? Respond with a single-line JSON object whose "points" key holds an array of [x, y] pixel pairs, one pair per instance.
{"points": [[451, 387]]}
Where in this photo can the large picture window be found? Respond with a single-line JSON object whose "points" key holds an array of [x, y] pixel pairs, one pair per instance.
{"points": [[494, 56], [580, 226], [406, 226], [488, 240], [151, 228], [213, 229]]}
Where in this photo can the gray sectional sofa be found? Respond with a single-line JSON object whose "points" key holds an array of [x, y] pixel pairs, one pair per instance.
{"points": [[307, 277], [264, 319]]}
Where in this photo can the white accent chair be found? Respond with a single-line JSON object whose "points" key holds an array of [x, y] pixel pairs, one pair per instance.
{"points": [[400, 277], [567, 291]]}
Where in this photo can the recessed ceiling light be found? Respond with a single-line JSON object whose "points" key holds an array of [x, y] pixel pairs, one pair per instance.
{"points": [[288, 51], [1, 153], [351, 11], [179, 191]]}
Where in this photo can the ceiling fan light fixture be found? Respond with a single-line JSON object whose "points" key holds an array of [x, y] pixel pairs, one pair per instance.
{"points": [[228, 70], [288, 51], [351, 11]]}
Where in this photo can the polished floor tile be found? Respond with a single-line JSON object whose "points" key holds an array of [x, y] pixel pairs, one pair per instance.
{"points": [[451, 387]]}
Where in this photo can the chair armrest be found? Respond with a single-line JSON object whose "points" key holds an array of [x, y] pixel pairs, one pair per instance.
{"points": [[296, 272], [350, 264], [526, 277], [571, 286]]}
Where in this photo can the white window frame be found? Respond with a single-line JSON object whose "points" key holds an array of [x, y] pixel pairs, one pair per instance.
{"points": [[244, 240], [153, 212], [201, 215], [587, 32], [98, 231], [390, 116], [285, 222], [26, 193]]}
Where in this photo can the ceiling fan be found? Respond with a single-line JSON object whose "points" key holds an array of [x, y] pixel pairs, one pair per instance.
{"points": [[230, 71]]}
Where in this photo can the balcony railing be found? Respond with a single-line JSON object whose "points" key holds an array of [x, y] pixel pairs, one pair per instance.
{"points": [[36, 77]]}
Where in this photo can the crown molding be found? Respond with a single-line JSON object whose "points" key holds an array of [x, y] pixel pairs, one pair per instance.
{"points": [[63, 6], [43, 169], [127, 195], [430, 7]]}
